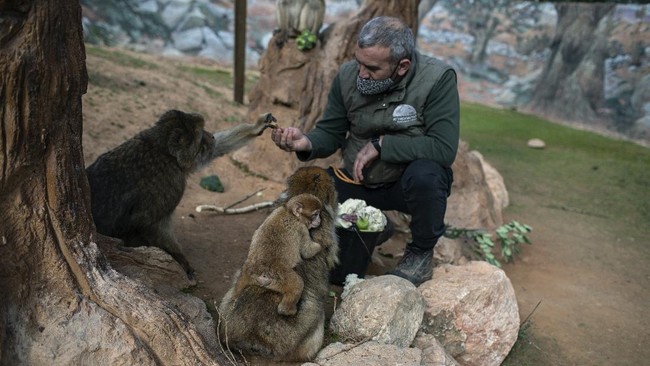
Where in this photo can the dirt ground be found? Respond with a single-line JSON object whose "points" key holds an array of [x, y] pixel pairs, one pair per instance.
{"points": [[593, 295]]}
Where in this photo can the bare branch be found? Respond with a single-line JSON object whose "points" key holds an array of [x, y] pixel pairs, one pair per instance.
{"points": [[245, 198], [255, 207]]}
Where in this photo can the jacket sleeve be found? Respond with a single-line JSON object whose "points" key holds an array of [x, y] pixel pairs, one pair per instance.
{"points": [[328, 135], [441, 116]]}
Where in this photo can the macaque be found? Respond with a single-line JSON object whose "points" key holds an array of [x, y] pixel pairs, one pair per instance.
{"points": [[249, 321], [136, 187], [278, 246]]}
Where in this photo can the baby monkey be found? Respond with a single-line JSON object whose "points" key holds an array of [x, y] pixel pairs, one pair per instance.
{"points": [[278, 246]]}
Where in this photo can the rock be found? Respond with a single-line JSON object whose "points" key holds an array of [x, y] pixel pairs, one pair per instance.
{"points": [[472, 311], [393, 320], [88, 323], [147, 7], [197, 313], [150, 265], [173, 13], [472, 203], [448, 251], [188, 40], [536, 144], [212, 183], [433, 353], [367, 353], [193, 19], [157, 269], [494, 181]]}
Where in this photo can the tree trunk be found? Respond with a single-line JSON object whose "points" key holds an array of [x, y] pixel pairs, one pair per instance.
{"points": [[62, 303], [571, 84], [482, 37], [424, 8], [295, 84]]}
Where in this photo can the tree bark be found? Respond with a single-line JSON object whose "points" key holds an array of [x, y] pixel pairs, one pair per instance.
{"points": [[61, 301], [300, 81], [482, 36], [571, 84], [424, 8]]}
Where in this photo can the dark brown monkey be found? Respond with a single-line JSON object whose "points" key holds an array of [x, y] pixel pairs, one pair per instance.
{"points": [[250, 322], [278, 246], [136, 186]]}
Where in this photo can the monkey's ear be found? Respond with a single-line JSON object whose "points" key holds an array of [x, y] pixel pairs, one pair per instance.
{"points": [[296, 208]]}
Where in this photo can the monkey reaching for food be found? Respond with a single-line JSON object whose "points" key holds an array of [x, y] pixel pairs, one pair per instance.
{"points": [[278, 246], [136, 186]]}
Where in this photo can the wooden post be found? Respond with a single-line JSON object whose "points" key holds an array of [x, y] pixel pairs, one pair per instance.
{"points": [[240, 50]]}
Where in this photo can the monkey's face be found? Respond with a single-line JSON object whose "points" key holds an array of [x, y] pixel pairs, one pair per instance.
{"points": [[206, 146], [314, 219], [186, 139]]}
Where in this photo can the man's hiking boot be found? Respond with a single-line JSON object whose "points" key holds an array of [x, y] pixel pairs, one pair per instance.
{"points": [[416, 265]]}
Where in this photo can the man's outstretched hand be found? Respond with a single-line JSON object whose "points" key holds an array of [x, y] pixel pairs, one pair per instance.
{"points": [[290, 139]]}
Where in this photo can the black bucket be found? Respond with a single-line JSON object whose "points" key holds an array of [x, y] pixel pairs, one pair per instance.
{"points": [[355, 251]]}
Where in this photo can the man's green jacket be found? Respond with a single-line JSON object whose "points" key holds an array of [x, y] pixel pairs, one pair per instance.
{"points": [[418, 117]]}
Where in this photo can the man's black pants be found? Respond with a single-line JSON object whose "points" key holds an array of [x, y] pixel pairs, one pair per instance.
{"points": [[421, 192]]}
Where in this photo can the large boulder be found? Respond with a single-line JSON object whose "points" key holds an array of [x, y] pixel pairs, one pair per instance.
{"points": [[472, 203], [494, 181], [472, 311], [393, 320]]}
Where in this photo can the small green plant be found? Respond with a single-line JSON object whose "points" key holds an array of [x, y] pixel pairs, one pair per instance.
{"points": [[306, 40], [509, 237]]}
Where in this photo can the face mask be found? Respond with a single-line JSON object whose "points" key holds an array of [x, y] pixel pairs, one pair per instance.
{"points": [[372, 87]]}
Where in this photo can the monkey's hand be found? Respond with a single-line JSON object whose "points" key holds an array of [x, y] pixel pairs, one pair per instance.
{"points": [[265, 121]]}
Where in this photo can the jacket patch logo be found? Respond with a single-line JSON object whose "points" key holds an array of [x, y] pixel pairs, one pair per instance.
{"points": [[405, 115]]}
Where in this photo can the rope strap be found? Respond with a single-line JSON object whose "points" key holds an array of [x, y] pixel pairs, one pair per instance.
{"points": [[340, 175]]}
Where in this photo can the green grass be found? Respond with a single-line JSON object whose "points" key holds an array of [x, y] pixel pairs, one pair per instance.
{"points": [[120, 58], [209, 91], [218, 76], [577, 171], [581, 171], [215, 76]]}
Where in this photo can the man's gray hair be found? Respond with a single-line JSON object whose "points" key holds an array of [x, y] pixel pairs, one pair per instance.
{"points": [[388, 32]]}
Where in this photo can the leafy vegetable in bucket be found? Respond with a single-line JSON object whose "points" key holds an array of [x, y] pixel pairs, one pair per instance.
{"points": [[365, 218], [362, 223]]}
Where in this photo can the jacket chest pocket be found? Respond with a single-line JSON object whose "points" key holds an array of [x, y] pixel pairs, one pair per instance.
{"points": [[369, 122]]}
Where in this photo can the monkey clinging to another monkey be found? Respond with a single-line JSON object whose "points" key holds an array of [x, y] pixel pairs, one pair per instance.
{"points": [[278, 246], [136, 186], [250, 322]]}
